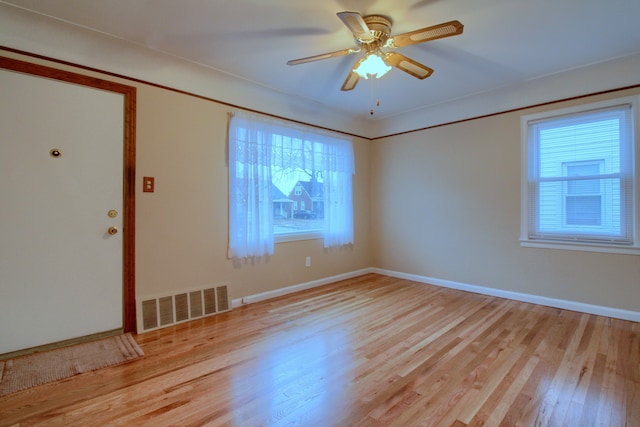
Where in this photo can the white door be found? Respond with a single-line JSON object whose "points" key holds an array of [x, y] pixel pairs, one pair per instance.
{"points": [[61, 173]]}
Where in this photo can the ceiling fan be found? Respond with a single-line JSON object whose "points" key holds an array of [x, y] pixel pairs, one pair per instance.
{"points": [[372, 35]]}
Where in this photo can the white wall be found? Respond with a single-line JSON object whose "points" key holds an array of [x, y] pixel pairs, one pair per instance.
{"points": [[441, 203], [38, 34], [445, 204], [614, 74], [182, 228]]}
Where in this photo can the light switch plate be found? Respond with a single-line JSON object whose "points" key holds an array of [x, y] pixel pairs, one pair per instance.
{"points": [[148, 184]]}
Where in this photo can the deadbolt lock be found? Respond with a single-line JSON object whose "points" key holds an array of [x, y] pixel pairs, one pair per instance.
{"points": [[113, 231], [112, 213]]}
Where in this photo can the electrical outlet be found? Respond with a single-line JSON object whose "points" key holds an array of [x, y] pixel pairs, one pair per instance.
{"points": [[307, 261]]}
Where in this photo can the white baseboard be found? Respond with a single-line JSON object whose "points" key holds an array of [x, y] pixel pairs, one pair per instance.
{"points": [[517, 296], [616, 313], [296, 288]]}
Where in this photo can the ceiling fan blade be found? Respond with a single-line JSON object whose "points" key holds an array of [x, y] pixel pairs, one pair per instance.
{"points": [[447, 29], [355, 24], [342, 52], [351, 81], [408, 65]]}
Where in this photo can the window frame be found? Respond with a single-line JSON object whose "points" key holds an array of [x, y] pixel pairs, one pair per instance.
{"points": [[634, 158]]}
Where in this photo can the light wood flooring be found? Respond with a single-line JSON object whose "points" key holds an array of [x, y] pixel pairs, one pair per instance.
{"points": [[368, 351]]}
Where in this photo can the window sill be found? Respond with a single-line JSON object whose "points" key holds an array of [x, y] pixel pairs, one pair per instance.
{"points": [[294, 237], [586, 247]]}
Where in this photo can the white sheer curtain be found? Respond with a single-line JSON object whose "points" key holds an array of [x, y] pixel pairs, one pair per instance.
{"points": [[257, 146], [338, 204], [250, 207]]}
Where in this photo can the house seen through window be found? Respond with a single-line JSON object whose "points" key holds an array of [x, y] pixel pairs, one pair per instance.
{"points": [[297, 208], [583, 198]]}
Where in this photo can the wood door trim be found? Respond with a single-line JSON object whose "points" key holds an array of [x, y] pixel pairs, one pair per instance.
{"points": [[129, 168]]}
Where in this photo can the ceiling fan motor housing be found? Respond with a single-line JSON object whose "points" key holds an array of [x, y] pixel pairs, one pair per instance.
{"points": [[380, 27]]}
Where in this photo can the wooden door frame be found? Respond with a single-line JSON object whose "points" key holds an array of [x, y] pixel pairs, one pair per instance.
{"points": [[129, 169]]}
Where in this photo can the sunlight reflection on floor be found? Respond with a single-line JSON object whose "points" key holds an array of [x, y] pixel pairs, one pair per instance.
{"points": [[300, 376]]}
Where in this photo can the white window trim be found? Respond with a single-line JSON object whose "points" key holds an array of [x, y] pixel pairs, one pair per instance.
{"points": [[525, 241], [295, 237]]}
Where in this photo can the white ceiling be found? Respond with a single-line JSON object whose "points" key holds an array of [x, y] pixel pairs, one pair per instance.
{"points": [[505, 42]]}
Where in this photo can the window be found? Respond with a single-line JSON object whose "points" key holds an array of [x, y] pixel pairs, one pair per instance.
{"points": [[578, 187], [275, 167]]}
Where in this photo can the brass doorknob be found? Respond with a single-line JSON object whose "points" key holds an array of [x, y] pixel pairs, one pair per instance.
{"points": [[112, 230]]}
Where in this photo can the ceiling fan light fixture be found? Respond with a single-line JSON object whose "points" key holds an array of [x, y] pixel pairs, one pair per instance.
{"points": [[373, 65]]}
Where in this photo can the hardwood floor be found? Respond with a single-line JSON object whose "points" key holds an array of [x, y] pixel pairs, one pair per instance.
{"points": [[368, 351]]}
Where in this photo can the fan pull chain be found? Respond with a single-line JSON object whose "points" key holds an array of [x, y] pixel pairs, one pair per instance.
{"points": [[372, 95]]}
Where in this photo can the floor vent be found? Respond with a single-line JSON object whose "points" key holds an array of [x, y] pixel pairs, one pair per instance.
{"points": [[154, 313]]}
